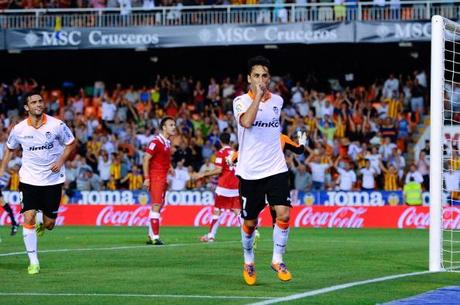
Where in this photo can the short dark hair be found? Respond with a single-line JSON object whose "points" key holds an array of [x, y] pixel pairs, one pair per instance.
{"points": [[29, 95], [225, 138], [258, 61], [164, 120]]}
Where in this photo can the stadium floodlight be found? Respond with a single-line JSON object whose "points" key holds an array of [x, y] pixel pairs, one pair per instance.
{"points": [[444, 148]]}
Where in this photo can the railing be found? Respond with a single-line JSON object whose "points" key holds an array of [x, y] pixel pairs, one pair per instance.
{"points": [[228, 14]]}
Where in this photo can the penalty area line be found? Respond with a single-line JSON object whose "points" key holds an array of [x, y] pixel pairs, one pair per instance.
{"points": [[130, 295], [337, 287]]}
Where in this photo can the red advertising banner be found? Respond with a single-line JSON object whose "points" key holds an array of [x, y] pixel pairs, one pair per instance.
{"points": [[301, 216]]}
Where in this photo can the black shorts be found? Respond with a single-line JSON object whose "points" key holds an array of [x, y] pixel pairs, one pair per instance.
{"points": [[45, 198], [255, 194]]}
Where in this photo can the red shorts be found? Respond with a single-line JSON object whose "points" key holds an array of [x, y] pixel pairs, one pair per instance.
{"points": [[158, 186], [222, 202]]}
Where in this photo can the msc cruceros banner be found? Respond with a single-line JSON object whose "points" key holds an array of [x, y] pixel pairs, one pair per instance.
{"points": [[214, 35], [376, 32], [177, 36], [301, 217]]}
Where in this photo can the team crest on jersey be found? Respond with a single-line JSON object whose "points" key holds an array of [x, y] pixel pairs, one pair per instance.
{"points": [[238, 107], [48, 135], [276, 110]]}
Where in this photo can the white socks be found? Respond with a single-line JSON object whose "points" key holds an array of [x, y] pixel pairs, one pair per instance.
{"points": [[39, 217], [150, 230], [30, 241], [154, 225], [280, 238], [215, 225], [248, 246]]}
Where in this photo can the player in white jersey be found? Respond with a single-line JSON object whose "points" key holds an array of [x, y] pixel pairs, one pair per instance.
{"points": [[46, 143], [261, 167]]}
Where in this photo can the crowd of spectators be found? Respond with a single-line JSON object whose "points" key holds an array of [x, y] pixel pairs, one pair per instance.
{"points": [[133, 12], [149, 4], [357, 135], [340, 6]]}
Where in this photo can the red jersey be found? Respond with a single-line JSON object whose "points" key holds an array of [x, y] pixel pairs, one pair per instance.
{"points": [[227, 185], [160, 150]]}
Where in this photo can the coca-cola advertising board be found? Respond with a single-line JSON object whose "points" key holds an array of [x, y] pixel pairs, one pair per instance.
{"points": [[301, 216]]}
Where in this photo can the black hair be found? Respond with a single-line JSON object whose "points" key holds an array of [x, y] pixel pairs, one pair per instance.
{"points": [[164, 120], [29, 95], [224, 138], [258, 61]]}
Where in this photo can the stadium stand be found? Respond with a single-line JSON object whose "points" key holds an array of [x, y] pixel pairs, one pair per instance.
{"points": [[114, 123], [350, 119], [101, 13]]}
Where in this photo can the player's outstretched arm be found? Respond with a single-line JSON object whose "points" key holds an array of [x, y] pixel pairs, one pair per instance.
{"points": [[213, 172]]}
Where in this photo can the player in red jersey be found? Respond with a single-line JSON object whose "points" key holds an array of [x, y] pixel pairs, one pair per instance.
{"points": [[227, 195], [156, 165]]}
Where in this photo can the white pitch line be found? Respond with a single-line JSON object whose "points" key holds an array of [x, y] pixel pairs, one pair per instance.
{"points": [[337, 287], [111, 248], [130, 295]]}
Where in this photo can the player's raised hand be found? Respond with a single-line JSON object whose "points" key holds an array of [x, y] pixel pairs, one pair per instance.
{"points": [[230, 160], [302, 138], [261, 89]]}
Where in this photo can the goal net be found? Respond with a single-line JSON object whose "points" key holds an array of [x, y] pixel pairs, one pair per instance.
{"points": [[445, 146]]}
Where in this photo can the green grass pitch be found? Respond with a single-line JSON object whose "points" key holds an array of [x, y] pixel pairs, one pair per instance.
{"points": [[126, 271]]}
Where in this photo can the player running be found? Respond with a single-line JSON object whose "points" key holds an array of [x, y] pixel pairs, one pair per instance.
{"points": [[227, 195], [46, 144]]}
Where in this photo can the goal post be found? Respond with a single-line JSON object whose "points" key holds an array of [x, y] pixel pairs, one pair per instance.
{"points": [[436, 144], [444, 245]]}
